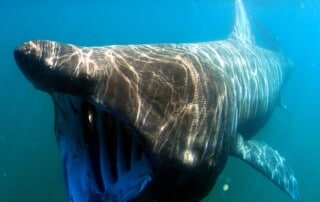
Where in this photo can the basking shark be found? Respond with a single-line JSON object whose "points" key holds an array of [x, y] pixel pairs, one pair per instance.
{"points": [[158, 122]]}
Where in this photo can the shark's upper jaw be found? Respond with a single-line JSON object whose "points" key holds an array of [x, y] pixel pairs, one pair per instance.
{"points": [[101, 155]]}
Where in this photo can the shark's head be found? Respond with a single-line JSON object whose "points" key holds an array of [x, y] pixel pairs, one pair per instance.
{"points": [[125, 133]]}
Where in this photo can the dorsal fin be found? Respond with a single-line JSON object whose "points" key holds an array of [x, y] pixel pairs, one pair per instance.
{"points": [[241, 30]]}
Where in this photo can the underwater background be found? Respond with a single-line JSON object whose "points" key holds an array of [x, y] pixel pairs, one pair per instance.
{"points": [[30, 162]]}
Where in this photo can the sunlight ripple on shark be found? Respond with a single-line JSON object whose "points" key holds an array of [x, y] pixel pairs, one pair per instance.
{"points": [[158, 122]]}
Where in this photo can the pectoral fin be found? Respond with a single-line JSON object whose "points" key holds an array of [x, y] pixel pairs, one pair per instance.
{"points": [[269, 163]]}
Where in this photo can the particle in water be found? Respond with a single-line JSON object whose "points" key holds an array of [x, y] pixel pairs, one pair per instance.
{"points": [[225, 187]]}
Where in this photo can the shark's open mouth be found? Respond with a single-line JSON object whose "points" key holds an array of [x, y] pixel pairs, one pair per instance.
{"points": [[101, 152]]}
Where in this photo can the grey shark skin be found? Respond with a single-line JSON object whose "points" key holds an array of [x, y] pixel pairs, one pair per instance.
{"points": [[158, 122]]}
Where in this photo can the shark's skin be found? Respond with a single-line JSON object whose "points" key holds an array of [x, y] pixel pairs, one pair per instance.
{"points": [[158, 122]]}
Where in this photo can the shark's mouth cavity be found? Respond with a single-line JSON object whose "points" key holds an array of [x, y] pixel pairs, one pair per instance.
{"points": [[103, 159]]}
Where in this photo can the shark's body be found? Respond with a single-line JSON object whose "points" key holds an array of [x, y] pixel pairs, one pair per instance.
{"points": [[157, 122]]}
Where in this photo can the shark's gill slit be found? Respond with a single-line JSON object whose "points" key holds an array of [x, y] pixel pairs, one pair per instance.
{"points": [[91, 139], [105, 166], [110, 144], [124, 147], [120, 150], [136, 151]]}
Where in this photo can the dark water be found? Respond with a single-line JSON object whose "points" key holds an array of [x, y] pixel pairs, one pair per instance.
{"points": [[30, 165]]}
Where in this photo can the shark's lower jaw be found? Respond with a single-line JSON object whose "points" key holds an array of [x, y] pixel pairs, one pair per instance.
{"points": [[102, 159]]}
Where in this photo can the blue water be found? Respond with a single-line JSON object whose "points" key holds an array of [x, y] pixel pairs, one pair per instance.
{"points": [[30, 164]]}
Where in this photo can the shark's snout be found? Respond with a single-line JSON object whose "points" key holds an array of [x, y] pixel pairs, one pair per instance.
{"points": [[29, 48], [43, 65], [28, 56], [32, 53]]}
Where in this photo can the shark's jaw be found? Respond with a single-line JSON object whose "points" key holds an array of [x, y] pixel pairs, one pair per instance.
{"points": [[102, 157]]}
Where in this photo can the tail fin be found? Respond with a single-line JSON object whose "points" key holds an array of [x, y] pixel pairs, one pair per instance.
{"points": [[269, 163]]}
